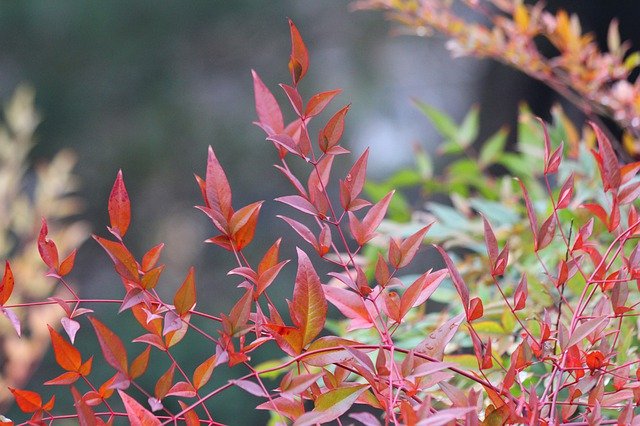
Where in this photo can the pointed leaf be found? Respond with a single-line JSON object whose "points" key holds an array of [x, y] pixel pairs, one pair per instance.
{"points": [[319, 101], [330, 135], [125, 264], [458, 282], [218, 190], [434, 344], [609, 167], [267, 108], [299, 60], [6, 286], [531, 213], [243, 224], [28, 401], [182, 390], [164, 382], [111, 345], [67, 356], [331, 405], [139, 365], [185, 298], [119, 207], [585, 329], [13, 319], [298, 203], [202, 373], [47, 248], [71, 327], [309, 304], [137, 414], [150, 258]]}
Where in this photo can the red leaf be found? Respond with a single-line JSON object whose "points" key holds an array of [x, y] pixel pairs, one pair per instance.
{"points": [[520, 295], [566, 192], [298, 203], [28, 401], [111, 345], [597, 210], [330, 135], [67, 264], [137, 414], [151, 277], [269, 114], [218, 190], [164, 382], [409, 247], [86, 416], [119, 207], [67, 378], [365, 230], [266, 278], [286, 142], [629, 193], [475, 309], [319, 101], [125, 264], [294, 98], [67, 356], [458, 282], [531, 213], [309, 307], [185, 298], [270, 258], [299, 60], [421, 289], [609, 166], [6, 286], [490, 242], [243, 224], [554, 161], [150, 258], [47, 248], [350, 305], [547, 232], [290, 408], [294, 180]]}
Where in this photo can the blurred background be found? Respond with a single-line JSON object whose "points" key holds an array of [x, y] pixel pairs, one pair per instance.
{"points": [[146, 86]]}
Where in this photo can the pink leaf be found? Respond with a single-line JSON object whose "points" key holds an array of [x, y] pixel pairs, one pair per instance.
{"points": [[458, 282], [137, 414], [269, 114], [71, 327]]}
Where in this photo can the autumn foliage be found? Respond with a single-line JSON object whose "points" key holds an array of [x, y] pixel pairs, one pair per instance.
{"points": [[560, 353]]}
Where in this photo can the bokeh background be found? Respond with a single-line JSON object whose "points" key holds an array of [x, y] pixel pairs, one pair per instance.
{"points": [[146, 86]]}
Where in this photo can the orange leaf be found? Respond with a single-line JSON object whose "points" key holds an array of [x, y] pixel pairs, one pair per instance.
{"points": [[330, 135], [67, 264], [125, 264], [203, 372], [190, 417], [86, 416], [67, 356], [139, 365], [6, 286], [28, 401], [150, 258], [119, 207], [137, 414], [67, 378], [164, 382], [319, 101], [185, 297], [309, 307], [243, 224], [111, 345], [299, 60]]}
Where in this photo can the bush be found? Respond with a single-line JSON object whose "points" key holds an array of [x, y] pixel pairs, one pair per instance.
{"points": [[535, 321]]}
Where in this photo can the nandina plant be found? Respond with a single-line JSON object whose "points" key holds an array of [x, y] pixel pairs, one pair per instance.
{"points": [[560, 361]]}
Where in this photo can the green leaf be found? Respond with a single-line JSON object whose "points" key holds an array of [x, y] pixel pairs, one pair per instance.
{"points": [[493, 148], [331, 405], [441, 121], [468, 131]]}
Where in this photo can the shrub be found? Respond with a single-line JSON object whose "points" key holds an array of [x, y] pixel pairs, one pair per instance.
{"points": [[536, 321]]}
